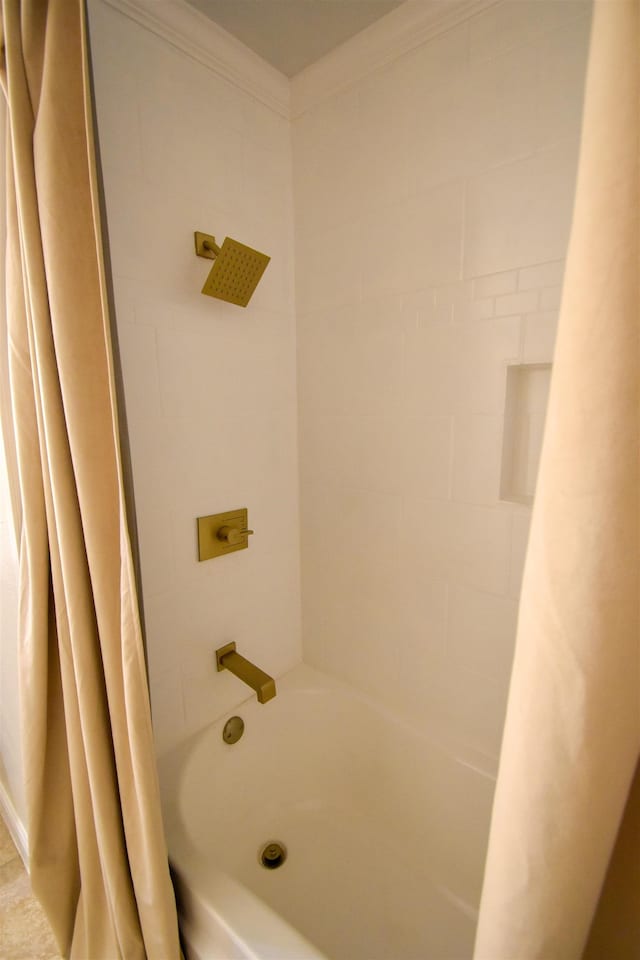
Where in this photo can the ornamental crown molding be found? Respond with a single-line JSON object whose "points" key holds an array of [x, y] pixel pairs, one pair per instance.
{"points": [[189, 31], [403, 29]]}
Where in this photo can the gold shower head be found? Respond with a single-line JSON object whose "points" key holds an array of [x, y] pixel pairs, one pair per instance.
{"points": [[236, 271]]}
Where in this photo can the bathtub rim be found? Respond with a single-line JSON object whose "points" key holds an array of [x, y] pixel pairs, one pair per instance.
{"points": [[232, 918]]}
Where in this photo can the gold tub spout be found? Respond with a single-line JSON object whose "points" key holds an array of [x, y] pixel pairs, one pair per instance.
{"points": [[257, 679]]}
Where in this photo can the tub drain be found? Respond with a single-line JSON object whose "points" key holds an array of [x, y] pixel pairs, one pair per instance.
{"points": [[273, 854]]}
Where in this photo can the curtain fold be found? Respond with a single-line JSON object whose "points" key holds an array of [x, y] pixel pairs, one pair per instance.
{"points": [[572, 734], [98, 858]]}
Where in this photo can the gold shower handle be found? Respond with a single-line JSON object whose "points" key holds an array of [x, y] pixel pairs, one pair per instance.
{"points": [[233, 535], [223, 533]]}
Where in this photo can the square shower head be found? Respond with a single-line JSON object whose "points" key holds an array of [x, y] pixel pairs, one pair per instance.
{"points": [[235, 273]]}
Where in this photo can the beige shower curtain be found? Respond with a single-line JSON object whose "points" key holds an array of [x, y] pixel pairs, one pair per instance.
{"points": [[97, 853], [572, 735]]}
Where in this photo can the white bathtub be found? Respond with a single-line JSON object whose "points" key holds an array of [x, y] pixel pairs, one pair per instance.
{"points": [[385, 833]]}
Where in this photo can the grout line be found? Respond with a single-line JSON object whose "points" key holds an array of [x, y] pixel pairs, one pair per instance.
{"points": [[452, 444], [463, 225]]}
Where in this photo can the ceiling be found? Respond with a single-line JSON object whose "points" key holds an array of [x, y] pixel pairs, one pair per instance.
{"points": [[291, 34]]}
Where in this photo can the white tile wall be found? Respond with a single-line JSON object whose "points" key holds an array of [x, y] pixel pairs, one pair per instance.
{"points": [[480, 635], [539, 336], [442, 265], [501, 105], [519, 214], [562, 78], [509, 25], [365, 369], [497, 284], [432, 208], [210, 388], [476, 466]]}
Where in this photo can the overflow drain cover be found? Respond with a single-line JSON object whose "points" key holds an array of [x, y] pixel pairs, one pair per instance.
{"points": [[273, 854], [233, 730]]}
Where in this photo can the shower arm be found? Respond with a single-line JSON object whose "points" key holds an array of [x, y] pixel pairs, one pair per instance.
{"points": [[211, 247]]}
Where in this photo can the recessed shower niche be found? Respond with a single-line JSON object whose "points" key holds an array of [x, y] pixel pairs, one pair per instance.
{"points": [[527, 393]]}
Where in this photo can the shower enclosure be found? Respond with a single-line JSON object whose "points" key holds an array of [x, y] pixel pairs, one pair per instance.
{"points": [[377, 406]]}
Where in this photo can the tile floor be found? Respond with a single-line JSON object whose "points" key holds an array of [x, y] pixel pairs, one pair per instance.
{"points": [[24, 931]]}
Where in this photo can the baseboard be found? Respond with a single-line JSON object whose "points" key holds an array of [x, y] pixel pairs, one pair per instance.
{"points": [[14, 824]]}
